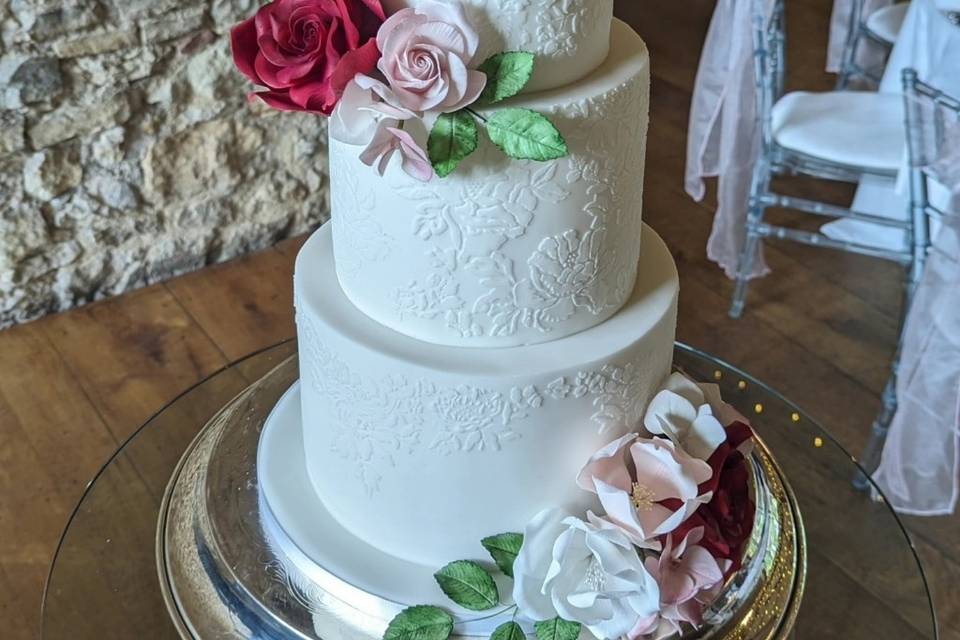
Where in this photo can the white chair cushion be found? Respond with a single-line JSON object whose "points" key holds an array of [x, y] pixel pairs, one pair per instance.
{"points": [[885, 23], [852, 128]]}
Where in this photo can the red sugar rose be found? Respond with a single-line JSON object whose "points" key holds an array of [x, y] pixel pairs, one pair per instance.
{"points": [[728, 518], [306, 51]]}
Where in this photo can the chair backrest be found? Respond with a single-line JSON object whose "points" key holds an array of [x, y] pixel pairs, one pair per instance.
{"points": [[933, 152], [856, 17], [769, 59]]}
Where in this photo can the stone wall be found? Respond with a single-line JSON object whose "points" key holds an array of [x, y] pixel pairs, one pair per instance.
{"points": [[129, 153]]}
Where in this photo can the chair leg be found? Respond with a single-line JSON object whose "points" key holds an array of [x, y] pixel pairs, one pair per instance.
{"points": [[878, 433], [748, 256]]}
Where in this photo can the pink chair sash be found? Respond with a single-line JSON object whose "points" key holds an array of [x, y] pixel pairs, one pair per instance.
{"points": [[920, 467], [723, 137]]}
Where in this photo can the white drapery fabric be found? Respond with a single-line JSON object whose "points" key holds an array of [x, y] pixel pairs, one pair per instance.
{"points": [[723, 138], [869, 55], [921, 459], [920, 467]]}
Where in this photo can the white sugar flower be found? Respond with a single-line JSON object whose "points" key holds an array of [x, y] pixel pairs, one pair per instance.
{"points": [[690, 415], [585, 572]]}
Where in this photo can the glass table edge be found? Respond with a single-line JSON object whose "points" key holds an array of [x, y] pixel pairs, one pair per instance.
{"points": [[681, 346], [119, 451]]}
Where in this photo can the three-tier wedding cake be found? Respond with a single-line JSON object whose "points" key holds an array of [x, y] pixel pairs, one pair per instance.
{"points": [[484, 324]]}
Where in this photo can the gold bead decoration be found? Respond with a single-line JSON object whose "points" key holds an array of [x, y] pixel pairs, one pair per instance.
{"points": [[818, 442], [758, 408], [717, 375], [742, 385], [795, 417]]}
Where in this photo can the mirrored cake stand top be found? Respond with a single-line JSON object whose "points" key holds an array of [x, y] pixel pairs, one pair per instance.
{"points": [[864, 579]]}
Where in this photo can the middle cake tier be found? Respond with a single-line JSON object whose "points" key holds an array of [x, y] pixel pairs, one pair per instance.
{"points": [[421, 450], [505, 252]]}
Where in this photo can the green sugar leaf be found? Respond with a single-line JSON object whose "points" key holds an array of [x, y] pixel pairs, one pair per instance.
{"points": [[508, 631], [507, 74], [504, 549], [526, 135], [454, 137], [557, 629], [420, 623], [469, 585]]}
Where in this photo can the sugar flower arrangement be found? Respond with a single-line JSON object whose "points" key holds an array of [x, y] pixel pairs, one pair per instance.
{"points": [[678, 513], [374, 75]]}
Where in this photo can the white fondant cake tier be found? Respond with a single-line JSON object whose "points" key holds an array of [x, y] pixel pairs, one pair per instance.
{"points": [[505, 252], [421, 450], [365, 585], [570, 37]]}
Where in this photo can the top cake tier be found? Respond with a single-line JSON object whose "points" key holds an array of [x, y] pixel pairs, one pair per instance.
{"points": [[570, 37]]}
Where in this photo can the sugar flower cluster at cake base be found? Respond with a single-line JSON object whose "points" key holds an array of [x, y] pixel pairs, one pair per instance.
{"points": [[677, 515], [375, 74]]}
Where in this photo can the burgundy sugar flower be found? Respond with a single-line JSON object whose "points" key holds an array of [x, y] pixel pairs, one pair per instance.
{"points": [[306, 51]]}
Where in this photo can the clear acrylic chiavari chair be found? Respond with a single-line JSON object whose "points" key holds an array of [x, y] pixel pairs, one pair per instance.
{"points": [[835, 135]]}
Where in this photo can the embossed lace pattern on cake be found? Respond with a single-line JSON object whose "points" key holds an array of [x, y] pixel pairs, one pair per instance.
{"points": [[367, 242], [560, 24], [376, 423], [553, 29], [479, 282]]}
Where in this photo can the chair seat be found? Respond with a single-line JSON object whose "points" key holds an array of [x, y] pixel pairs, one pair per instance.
{"points": [[857, 129], [885, 23]]}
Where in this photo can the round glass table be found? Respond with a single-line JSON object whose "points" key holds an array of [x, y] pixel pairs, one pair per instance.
{"points": [[864, 579]]}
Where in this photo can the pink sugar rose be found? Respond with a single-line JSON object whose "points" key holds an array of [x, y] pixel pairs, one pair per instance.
{"points": [[388, 140], [426, 55], [306, 51], [633, 477]]}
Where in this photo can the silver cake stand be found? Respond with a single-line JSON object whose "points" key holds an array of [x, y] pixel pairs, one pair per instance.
{"points": [[223, 574]]}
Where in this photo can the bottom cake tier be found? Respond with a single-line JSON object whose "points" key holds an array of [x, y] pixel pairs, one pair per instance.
{"points": [[357, 589], [246, 549], [422, 450]]}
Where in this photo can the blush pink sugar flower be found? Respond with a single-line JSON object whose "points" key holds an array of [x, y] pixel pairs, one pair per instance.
{"points": [[633, 477], [426, 55], [689, 578], [389, 140]]}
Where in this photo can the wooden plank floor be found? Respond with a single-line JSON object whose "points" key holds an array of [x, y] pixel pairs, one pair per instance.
{"points": [[820, 329]]}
